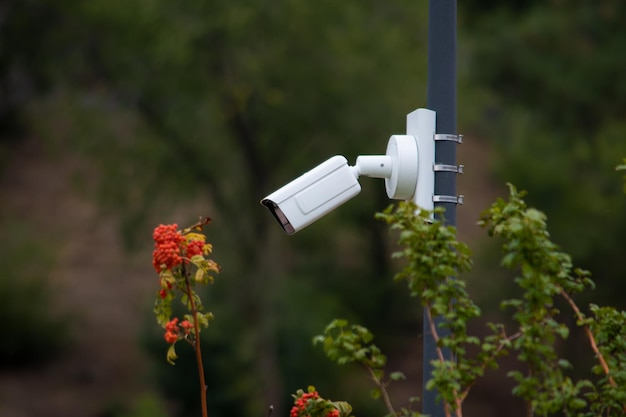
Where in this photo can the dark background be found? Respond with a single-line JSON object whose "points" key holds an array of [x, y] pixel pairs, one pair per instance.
{"points": [[116, 116]]}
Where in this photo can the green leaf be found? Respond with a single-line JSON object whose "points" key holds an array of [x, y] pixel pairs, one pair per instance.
{"points": [[375, 393], [345, 409], [565, 364], [318, 339], [396, 376], [200, 275], [171, 354]]}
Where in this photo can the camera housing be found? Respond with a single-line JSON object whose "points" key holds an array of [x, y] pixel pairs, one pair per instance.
{"points": [[407, 168], [313, 194]]}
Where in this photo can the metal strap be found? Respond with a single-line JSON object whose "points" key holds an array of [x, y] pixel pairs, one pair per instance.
{"points": [[449, 137], [448, 199], [448, 168]]}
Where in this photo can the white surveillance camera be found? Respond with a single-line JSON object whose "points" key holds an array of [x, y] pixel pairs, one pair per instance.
{"points": [[313, 194], [409, 158]]}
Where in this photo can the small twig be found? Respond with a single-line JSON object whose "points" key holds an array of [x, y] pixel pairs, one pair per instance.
{"points": [[458, 401], [197, 348], [433, 331], [505, 340], [203, 221], [592, 339], [383, 391]]}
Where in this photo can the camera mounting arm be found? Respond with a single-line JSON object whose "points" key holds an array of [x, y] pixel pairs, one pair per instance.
{"points": [[407, 168]]}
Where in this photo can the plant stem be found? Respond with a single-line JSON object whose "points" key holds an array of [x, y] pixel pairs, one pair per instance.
{"points": [[197, 348], [483, 366], [203, 221], [457, 399], [383, 391], [592, 341]]}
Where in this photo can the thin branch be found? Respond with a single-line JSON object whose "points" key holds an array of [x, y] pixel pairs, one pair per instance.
{"points": [[506, 339], [203, 221], [592, 339], [383, 390], [457, 400], [197, 348], [433, 331]]}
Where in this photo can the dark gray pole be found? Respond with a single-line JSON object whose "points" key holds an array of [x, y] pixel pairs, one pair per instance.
{"points": [[441, 99]]}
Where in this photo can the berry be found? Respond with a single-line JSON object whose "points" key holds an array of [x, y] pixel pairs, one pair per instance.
{"points": [[333, 413], [300, 403], [194, 247], [186, 326], [172, 325], [171, 337], [171, 331], [167, 251]]}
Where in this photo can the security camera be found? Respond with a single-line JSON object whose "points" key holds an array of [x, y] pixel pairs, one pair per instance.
{"points": [[407, 168], [313, 194]]}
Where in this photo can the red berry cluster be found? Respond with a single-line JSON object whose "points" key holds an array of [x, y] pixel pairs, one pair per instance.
{"points": [[167, 251], [194, 247], [172, 330], [186, 326], [300, 405]]}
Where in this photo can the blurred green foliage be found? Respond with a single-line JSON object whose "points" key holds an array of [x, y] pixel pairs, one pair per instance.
{"points": [[555, 113], [175, 101], [144, 405]]}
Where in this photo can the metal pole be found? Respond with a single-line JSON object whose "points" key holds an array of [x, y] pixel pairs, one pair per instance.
{"points": [[442, 99]]}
